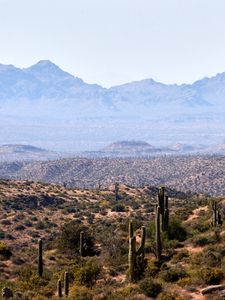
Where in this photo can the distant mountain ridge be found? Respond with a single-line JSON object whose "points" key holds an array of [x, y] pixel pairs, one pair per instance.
{"points": [[119, 149], [44, 104], [143, 149], [47, 80], [10, 153]]}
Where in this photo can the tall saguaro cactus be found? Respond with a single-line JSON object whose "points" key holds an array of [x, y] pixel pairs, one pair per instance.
{"points": [[40, 258], [116, 191], [66, 283], [132, 257], [59, 289], [216, 216], [136, 258], [166, 215], [158, 234], [161, 220], [164, 210], [81, 243]]}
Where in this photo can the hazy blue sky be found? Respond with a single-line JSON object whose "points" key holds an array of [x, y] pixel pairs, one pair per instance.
{"points": [[115, 41]]}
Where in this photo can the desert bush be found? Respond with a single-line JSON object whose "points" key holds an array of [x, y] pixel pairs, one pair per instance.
{"points": [[69, 239], [80, 293], [2, 235], [6, 222], [125, 292], [150, 287], [202, 241], [87, 273], [180, 255], [28, 223], [119, 207], [152, 268], [19, 227], [200, 226], [169, 296], [29, 280], [176, 230], [172, 274], [211, 275], [211, 258], [4, 250], [114, 250]]}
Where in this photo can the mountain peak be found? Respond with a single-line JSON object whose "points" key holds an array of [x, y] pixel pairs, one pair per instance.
{"points": [[45, 64], [47, 71], [4, 68]]}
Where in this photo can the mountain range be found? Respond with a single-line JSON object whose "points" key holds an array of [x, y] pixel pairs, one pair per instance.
{"points": [[47, 107]]}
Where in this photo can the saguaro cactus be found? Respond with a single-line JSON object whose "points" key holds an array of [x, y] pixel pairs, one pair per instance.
{"points": [[214, 208], [136, 258], [66, 284], [219, 218], [116, 191], [131, 230], [81, 243], [40, 258], [216, 216], [59, 289], [164, 210], [141, 250], [166, 215], [132, 257], [158, 234]]}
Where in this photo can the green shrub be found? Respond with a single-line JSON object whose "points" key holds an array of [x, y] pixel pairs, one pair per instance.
{"points": [[19, 227], [169, 296], [150, 288], [87, 274], [2, 235], [6, 222], [69, 240], [211, 275], [173, 274], [119, 207], [202, 241], [4, 250], [211, 258], [80, 293], [176, 230], [181, 255]]}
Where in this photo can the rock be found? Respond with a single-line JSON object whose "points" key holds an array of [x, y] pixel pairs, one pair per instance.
{"points": [[213, 288], [7, 293]]}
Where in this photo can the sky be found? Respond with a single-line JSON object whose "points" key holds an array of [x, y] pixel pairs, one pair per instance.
{"points": [[111, 42]]}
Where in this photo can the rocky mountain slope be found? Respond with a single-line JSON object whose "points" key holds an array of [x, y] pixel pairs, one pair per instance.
{"points": [[201, 174]]}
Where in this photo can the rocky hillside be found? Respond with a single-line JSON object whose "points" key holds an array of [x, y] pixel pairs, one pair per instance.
{"points": [[49, 232], [201, 174]]}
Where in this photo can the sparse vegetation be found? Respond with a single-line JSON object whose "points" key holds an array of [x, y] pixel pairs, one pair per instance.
{"points": [[85, 237]]}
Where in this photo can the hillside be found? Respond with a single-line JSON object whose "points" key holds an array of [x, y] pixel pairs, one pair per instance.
{"points": [[192, 250], [143, 149], [14, 152], [200, 174]]}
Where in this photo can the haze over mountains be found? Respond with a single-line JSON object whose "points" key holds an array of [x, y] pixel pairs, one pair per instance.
{"points": [[49, 108], [10, 153]]}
